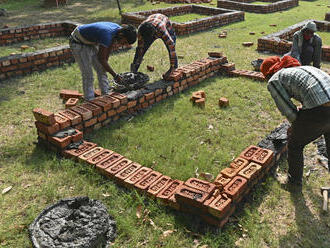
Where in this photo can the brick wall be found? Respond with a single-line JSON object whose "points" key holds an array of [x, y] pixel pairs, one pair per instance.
{"points": [[244, 5], [213, 201], [22, 64], [327, 17], [218, 17], [280, 42], [185, 1]]}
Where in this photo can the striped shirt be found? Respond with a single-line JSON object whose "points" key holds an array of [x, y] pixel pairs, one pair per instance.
{"points": [[307, 84], [164, 31]]}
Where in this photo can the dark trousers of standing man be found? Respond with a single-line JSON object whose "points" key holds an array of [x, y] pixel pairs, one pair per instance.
{"points": [[309, 125]]}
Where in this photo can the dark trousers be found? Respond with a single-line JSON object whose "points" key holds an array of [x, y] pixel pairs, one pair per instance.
{"points": [[309, 125], [307, 54]]}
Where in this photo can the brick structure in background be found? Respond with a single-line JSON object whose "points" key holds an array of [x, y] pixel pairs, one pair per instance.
{"points": [[248, 6], [327, 17], [217, 17], [213, 201], [26, 63], [281, 42], [185, 1]]}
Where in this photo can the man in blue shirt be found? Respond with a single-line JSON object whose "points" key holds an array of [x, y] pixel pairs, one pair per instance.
{"points": [[91, 46], [311, 87]]}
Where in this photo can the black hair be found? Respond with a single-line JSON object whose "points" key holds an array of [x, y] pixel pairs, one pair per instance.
{"points": [[147, 31], [129, 33]]}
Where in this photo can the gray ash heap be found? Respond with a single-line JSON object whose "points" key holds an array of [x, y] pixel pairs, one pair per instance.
{"points": [[76, 222], [131, 81]]}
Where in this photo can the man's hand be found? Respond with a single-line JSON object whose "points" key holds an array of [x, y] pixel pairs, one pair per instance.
{"points": [[117, 78], [133, 68]]}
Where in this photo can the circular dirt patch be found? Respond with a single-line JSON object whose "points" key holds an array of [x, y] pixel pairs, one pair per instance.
{"points": [[76, 222]]}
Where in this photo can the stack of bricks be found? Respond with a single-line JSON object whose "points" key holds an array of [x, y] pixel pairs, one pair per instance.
{"points": [[198, 98], [245, 5], [218, 17], [327, 17], [26, 63], [280, 42], [186, 1], [255, 75]]}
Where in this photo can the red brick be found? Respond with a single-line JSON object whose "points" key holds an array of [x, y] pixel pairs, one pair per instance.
{"points": [[97, 126], [96, 110], [44, 116], [145, 105], [142, 99], [158, 185], [66, 94], [77, 136], [235, 187], [137, 176], [128, 171], [251, 171], [159, 98], [221, 181], [158, 92], [71, 102], [169, 190], [109, 161], [111, 112], [131, 104], [220, 206], [113, 101], [121, 109], [46, 128], [219, 223], [200, 102], [263, 157], [97, 93], [200, 185], [102, 117], [62, 121], [105, 105], [152, 101], [239, 163], [145, 182], [122, 98], [72, 116], [89, 154], [117, 167], [60, 142], [215, 54], [90, 122], [83, 112], [80, 127], [150, 68], [84, 147], [149, 96], [230, 172], [249, 152], [223, 102], [190, 196]]}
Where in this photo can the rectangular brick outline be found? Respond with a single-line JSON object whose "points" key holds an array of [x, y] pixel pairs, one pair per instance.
{"points": [[26, 63], [279, 42], [220, 218], [218, 17], [245, 5]]}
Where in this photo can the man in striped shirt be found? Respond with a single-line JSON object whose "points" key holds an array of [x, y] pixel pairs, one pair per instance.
{"points": [[311, 87], [154, 27]]}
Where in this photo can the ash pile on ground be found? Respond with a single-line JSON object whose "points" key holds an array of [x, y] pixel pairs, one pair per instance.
{"points": [[131, 81], [76, 222]]}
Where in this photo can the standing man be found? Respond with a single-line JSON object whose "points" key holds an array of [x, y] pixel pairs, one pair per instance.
{"points": [[91, 45], [307, 46], [154, 27], [311, 87]]}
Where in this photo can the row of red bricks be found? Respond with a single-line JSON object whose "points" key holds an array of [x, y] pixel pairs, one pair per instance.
{"points": [[255, 8], [186, 1], [99, 112], [213, 201], [218, 17]]}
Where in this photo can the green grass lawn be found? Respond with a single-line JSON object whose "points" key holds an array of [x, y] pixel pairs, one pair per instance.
{"points": [[325, 36], [173, 138], [33, 45], [187, 17]]}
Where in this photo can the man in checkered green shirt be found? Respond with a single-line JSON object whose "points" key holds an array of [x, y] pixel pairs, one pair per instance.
{"points": [[311, 87]]}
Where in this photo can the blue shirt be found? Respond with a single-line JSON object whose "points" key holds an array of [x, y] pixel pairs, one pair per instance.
{"points": [[307, 84], [99, 32]]}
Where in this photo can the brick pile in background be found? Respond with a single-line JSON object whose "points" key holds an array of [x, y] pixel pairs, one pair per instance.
{"points": [[327, 17], [281, 42], [185, 1], [26, 63], [218, 17], [245, 5], [213, 201]]}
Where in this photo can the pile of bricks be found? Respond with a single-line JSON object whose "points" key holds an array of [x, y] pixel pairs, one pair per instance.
{"points": [[280, 42], [198, 98], [245, 5], [218, 17], [22, 64], [213, 201]]}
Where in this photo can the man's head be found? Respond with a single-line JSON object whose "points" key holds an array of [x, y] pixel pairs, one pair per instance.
{"points": [[147, 31], [308, 30], [273, 64], [128, 32]]}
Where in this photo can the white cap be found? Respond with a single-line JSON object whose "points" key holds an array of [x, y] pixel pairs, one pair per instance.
{"points": [[311, 26]]}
